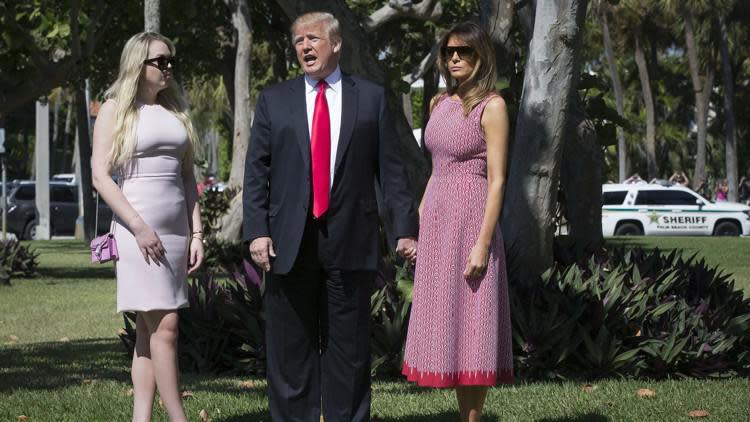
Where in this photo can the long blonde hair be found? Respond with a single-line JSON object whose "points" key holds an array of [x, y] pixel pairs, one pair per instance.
{"points": [[482, 78], [123, 91]]}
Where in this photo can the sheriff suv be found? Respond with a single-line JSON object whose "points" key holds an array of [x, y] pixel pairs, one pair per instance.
{"points": [[638, 209]]}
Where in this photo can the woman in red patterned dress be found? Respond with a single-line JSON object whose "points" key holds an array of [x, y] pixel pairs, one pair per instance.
{"points": [[459, 332]]}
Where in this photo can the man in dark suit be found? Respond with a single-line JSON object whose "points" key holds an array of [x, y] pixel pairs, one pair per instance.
{"points": [[318, 144]]}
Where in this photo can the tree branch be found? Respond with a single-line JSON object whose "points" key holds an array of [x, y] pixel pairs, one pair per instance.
{"points": [[99, 23], [425, 10], [426, 63]]}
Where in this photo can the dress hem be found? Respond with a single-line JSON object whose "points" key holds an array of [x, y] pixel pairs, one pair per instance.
{"points": [[457, 379], [185, 305]]}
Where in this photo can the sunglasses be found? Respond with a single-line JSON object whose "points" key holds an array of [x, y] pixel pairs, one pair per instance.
{"points": [[162, 63], [464, 52]]}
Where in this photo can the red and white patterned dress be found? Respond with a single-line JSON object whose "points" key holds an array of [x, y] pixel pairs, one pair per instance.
{"points": [[459, 331]]}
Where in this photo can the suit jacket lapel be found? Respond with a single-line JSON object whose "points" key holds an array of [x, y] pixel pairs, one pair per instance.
{"points": [[298, 114], [349, 101]]}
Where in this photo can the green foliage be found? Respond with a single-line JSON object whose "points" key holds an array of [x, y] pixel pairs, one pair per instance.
{"points": [[620, 312], [417, 102], [17, 260], [390, 308], [220, 254], [213, 204], [630, 313]]}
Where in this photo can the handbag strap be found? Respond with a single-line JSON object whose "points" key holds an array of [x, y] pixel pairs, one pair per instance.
{"points": [[96, 214]]}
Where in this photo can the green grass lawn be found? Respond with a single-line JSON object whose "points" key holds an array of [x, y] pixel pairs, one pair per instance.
{"points": [[61, 360]]}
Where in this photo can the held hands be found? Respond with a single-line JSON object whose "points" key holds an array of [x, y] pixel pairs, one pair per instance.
{"points": [[148, 242], [261, 251], [407, 248], [196, 254], [476, 265]]}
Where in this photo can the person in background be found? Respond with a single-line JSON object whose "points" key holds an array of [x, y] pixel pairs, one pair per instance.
{"points": [[679, 178], [722, 190], [744, 189], [635, 178]]}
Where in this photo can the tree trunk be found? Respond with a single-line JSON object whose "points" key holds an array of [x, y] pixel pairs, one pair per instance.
{"points": [[84, 158], [496, 17], [619, 98], [358, 57], [152, 15], [581, 181], [729, 123], [648, 99], [702, 89], [231, 222], [534, 161], [243, 113]]}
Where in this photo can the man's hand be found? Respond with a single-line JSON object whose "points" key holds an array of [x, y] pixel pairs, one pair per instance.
{"points": [[261, 251], [407, 248]]}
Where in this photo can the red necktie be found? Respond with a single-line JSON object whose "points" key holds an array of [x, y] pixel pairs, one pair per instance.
{"points": [[320, 148]]}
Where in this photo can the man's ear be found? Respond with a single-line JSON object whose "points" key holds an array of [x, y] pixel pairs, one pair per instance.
{"points": [[337, 46]]}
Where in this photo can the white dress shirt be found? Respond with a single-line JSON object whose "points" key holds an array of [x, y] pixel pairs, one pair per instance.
{"points": [[333, 96]]}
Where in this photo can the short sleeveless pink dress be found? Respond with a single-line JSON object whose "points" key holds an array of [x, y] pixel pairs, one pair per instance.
{"points": [[459, 331], [154, 187]]}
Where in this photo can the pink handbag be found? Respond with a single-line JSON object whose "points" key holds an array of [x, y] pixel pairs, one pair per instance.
{"points": [[104, 249]]}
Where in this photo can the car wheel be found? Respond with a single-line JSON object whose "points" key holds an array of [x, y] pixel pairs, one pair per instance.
{"points": [[29, 232], [628, 229], [726, 228]]}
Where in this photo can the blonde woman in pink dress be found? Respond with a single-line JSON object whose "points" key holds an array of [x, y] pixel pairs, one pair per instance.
{"points": [[143, 135], [459, 331]]}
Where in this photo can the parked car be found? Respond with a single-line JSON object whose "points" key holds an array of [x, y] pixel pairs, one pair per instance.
{"points": [[649, 209], [23, 217]]}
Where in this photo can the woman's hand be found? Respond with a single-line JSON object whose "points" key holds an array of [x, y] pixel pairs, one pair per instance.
{"points": [[196, 254], [476, 265], [148, 242]]}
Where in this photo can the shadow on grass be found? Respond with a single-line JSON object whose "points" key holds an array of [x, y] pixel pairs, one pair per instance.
{"points": [[589, 417], [48, 366], [79, 273], [432, 417], [262, 415]]}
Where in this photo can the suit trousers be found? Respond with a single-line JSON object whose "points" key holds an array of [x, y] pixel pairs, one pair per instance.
{"points": [[318, 337]]}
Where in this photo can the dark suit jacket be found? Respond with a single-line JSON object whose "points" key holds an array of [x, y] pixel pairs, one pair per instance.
{"points": [[277, 187]]}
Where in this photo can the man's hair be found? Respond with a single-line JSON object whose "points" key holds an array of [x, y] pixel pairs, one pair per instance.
{"points": [[331, 23]]}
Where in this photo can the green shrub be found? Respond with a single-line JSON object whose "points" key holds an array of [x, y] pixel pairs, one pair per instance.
{"points": [[389, 319], [17, 260], [630, 313], [221, 256], [214, 204], [620, 312]]}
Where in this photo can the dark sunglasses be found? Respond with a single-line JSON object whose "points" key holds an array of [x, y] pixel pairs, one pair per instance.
{"points": [[162, 63], [464, 52]]}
